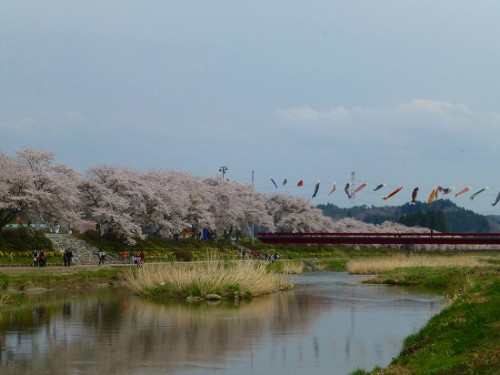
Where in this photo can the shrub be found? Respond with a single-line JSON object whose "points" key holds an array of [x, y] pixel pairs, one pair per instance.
{"points": [[193, 291], [23, 238], [183, 255]]}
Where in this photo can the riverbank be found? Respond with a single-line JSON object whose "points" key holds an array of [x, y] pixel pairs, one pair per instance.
{"points": [[15, 282], [463, 338]]}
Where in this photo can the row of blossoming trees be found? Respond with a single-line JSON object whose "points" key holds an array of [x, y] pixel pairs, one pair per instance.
{"points": [[130, 204]]}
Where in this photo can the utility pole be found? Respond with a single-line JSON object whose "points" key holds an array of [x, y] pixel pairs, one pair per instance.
{"points": [[223, 170]]}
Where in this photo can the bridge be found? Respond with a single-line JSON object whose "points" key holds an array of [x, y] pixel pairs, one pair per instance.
{"points": [[362, 238]]}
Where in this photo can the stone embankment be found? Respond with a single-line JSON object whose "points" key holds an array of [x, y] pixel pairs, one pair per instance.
{"points": [[83, 253]]}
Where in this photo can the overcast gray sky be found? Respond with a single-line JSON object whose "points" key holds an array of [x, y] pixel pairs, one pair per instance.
{"points": [[401, 92]]}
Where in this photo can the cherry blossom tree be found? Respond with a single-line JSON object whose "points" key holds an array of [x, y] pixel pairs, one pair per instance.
{"points": [[166, 204], [250, 209], [236, 206], [110, 198], [131, 204], [194, 196], [14, 182], [295, 214], [33, 186]]}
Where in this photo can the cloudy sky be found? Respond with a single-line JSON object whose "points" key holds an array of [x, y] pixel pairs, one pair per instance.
{"points": [[401, 92]]}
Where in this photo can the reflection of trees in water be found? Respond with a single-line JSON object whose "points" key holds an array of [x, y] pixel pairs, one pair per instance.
{"points": [[189, 331], [122, 333]]}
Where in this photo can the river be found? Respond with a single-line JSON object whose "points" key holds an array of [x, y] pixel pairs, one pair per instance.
{"points": [[329, 324]]}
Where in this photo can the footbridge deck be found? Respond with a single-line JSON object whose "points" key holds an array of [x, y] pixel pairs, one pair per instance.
{"points": [[361, 238]]}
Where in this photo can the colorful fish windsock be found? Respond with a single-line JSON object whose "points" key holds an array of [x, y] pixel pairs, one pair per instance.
{"points": [[478, 192], [360, 187], [346, 189], [463, 191], [274, 183], [393, 193], [443, 190], [379, 187], [300, 183], [285, 181], [496, 200], [432, 195], [316, 188], [414, 195], [333, 188]]}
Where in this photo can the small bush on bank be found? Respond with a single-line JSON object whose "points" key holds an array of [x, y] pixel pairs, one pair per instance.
{"points": [[20, 239], [287, 267], [9, 299], [183, 255]]}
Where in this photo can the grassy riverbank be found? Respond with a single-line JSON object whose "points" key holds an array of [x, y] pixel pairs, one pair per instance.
{"points": [[463, 338], [15, 282]]}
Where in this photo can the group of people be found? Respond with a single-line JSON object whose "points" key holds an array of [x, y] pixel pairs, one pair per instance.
{"points": [[132, 258], [39, 258], [272, 257]]}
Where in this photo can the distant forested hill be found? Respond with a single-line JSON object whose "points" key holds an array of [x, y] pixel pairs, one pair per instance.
{"points": [[442, 215]]}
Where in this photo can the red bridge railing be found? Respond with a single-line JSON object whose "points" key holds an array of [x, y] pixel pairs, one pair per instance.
{"points": [[361, 238]]}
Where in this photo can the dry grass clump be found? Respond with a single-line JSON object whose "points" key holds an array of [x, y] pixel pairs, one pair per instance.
{"points": [[4, 300], [228, 279], [376, 265], [292, 267]]}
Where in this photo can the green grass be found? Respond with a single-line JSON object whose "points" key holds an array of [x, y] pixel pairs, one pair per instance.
{"points": [[464, 337], [11, 285], [448, 280]]}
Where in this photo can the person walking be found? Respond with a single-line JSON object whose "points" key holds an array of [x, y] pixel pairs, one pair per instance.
{"points": [[42, 261], [70, 257], [65, 257], [35, 258], [101, 256]]}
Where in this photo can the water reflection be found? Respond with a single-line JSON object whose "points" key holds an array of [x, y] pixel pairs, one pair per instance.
{"points": [[329, 324]]}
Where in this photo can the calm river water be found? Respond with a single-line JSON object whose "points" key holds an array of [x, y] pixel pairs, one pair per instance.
{"points": [[330, 324]]}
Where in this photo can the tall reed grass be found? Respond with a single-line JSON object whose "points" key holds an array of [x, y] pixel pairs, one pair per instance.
{"points": [[4, 300], [289, 267], [376, 265], [245, 278]]}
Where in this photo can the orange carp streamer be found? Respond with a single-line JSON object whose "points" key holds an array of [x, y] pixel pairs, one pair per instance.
{"points": [[393, 193], [463, 191]]}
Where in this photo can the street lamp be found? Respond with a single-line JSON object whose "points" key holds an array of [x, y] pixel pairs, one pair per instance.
{"points": [[223, 170]]}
